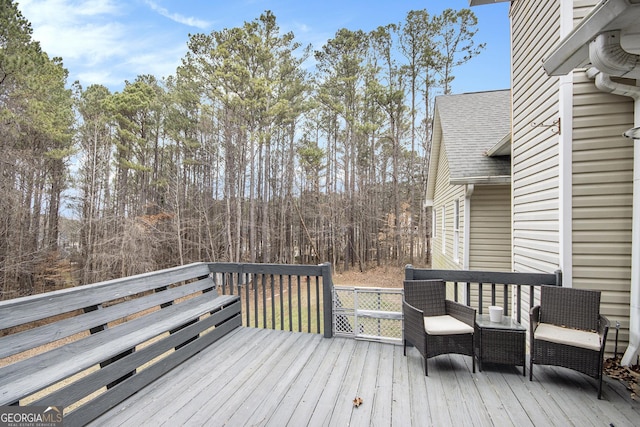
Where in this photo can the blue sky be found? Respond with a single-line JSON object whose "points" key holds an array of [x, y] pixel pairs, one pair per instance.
{"points": [[110, 41]]}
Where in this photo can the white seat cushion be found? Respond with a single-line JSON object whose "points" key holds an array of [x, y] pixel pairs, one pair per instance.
{"points": [[568, 336], [445, 325]]}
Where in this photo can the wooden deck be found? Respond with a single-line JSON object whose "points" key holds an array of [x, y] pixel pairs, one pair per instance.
{"points": [[262, 377]]}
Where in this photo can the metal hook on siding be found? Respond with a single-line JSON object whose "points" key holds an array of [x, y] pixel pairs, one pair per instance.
{"points": [[555, 126]]}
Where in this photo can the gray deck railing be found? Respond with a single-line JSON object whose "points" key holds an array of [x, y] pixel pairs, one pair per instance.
{"points": [[280, 296], [498, 287], [299, 297]]}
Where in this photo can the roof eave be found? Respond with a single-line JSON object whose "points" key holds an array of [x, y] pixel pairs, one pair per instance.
{"points": [[502, 148], [434, 156], [481, 2]]}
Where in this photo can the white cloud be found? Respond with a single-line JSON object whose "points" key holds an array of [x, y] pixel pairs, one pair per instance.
{"points": [[103, 41], [301, 28], [64, 12], [76, 30], [90, 43], [186, 20], [104, 77], [97, 7], [160, 63]]}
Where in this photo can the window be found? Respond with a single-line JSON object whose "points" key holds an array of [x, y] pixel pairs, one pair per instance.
{"points": [[444, 229], [456, 229]]}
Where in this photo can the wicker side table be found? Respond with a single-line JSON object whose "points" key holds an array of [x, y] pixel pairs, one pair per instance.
{"points": [[500, 342]]}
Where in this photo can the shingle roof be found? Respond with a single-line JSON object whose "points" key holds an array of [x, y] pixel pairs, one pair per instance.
{"points": [[473, 123]]}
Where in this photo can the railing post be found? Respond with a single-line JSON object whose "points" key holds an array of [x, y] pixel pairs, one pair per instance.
{"points": [[327, 297], [558, 277], [408, 272]]}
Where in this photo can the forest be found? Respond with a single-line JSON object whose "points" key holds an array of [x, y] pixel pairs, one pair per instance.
{"points": [[257, 149]]}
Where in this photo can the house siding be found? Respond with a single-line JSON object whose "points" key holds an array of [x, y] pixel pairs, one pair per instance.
{"points": [[602, 198], [490, 228], [445, 194], [490, 238], [602, 194], [535, 154], [581, 8], [601, 167]]}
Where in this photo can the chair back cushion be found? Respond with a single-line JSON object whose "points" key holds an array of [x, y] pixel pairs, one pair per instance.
{"points": [[573, 308], [426, 295]]}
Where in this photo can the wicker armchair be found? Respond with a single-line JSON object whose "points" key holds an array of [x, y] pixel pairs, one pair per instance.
{"points": [[568, 330], [435, 325]]}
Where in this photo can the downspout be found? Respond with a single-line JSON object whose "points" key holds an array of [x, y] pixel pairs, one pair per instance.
{"points": [[634, 316], [609, 58]]}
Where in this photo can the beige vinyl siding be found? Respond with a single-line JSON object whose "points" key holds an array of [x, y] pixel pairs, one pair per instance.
{"points": [[581, 8], [490, 228], [602, 199], [601, 167], [445, 194], [535, 29], [535, 157], [490, 237]]}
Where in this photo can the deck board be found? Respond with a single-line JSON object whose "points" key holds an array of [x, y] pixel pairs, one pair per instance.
{"points": [[367, 388], [320, 379], [508, 402], [381, 403], [420, 406], [299, 395], [400, 409], [274, 386], [274, 378], [325, 405], [343, 408], [235, 396], [482, 394]]}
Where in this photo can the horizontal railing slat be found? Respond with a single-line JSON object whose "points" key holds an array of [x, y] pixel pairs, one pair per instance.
{"points": [[145, 377], [22, 378], [60, 329], [93, 381], [275, 269], [488, 277], [36, 307], [475, 279]]}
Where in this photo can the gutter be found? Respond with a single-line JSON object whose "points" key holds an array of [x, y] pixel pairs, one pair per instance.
{"points": [[498, 179], [609, 58], [572, 52]]}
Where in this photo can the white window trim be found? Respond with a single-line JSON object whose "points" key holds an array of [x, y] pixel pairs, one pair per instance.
{"points": [[434, 223], [443, 221], [456, 231]]}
